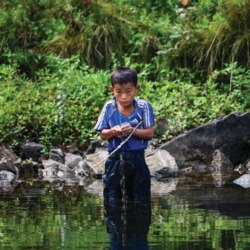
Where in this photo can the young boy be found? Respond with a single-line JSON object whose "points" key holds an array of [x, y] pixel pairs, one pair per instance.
{"points": [[116, 122]]}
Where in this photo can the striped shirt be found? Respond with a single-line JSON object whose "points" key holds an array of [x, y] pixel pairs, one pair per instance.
{"points": [[110, 117]]}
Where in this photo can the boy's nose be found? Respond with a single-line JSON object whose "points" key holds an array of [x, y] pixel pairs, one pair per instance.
{"points": [[124, 96]]}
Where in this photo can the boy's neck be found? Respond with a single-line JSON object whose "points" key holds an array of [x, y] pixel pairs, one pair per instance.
{"points": [[125, 110]]}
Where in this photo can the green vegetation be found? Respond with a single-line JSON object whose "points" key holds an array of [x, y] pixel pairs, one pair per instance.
{"points": [[56, 57]]}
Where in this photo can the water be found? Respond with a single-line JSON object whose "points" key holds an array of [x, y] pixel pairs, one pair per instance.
{"points": [[192, 216]]}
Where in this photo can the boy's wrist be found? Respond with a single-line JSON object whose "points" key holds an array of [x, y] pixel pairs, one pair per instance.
{"points": [[113, 132]]}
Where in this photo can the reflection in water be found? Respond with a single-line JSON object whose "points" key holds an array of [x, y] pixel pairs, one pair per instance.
{"points": [[195, 216], [127, 226]]}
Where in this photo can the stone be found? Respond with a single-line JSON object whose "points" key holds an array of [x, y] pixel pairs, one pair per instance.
{"points": [[32, 150], [243, 181], [161, 162], [56, 154], [96, 162], [72, 160], [230, 134]]}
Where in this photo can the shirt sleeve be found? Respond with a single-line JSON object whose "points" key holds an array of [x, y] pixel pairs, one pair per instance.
{"points": [[102, 122], [148, 115]]}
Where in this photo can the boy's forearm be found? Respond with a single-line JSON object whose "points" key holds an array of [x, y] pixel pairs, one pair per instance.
{"points": [[146, 133], [107, 134]]}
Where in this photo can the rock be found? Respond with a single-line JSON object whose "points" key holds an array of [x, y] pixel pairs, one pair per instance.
{"points": [[243, 181], [82, 169], [32, 150], [72, 160], [50, 164], [29, 168], [49, 172], [221, 163], [8, 165], [230, 134], [223, 168], [92, 147], [241, 169], [95, 163], [8, 154], [7, 176], [196, 166], [8, 159], [56, 154], [160, 162]]}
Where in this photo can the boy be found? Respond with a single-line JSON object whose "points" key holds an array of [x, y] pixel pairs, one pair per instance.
{"points": [[116, 122]]}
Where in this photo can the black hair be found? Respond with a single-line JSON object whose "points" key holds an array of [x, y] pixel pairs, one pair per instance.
{"points": [[123, 75]]}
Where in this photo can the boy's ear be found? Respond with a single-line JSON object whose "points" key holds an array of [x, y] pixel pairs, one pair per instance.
{"points": [[111, 88], [138, 87]]}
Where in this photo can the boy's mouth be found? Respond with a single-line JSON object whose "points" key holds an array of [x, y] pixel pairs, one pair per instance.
{"points": [[124, 102]]}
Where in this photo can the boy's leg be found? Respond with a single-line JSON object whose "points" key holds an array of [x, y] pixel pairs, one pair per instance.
{"points": [[111, 179], [142, 181]]}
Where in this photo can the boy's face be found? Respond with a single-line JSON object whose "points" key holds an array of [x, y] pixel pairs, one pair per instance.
{"points": [[124, 93]]}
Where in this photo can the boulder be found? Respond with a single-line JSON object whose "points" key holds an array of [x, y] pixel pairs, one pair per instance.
{"points": [[230, 134], [243, 181], [160, 162], [72, 160], [94, 163], [32, 150], [9, 160]]}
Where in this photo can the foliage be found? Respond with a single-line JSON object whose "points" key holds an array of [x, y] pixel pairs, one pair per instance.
{"points": [[180, 106], [209, 35], [55, 58], [62, 105], [58, 108]]}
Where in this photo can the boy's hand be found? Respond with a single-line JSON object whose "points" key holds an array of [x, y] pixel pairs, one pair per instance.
{"points": [[126, 129], [117, 130], [123, 130]]}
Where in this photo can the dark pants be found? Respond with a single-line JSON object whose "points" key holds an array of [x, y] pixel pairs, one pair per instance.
{"points": [[128, 228], [137, 176]]}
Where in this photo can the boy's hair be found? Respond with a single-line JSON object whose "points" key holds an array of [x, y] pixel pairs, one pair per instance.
{"points": [[123, 75]]}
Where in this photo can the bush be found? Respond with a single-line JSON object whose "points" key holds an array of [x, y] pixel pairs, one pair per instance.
{"points": [[58, 109]]}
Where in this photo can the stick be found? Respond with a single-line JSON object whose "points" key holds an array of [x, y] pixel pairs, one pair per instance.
{"points": [[120, 144]]}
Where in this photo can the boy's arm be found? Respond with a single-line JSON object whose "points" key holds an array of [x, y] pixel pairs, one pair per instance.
{"points": [[146, 133], [107, 134]]}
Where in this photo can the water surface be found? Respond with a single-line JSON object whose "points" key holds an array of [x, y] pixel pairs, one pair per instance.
{"points": [[35, 215]]}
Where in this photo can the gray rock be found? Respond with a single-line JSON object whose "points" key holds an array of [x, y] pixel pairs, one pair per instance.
{"points": [[221, 163], [50, 164], [32, 150], [7, 176], [230, 134], [243, 181], [8, 159], [160, 162], [223, 168], [56, 154], [8, 154], [72, 160], [95, 162]]}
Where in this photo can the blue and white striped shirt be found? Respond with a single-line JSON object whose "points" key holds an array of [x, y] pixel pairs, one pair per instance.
{"points": [[110, 117]]}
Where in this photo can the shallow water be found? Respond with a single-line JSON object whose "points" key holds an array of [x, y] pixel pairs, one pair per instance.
{"points": [[192, 216]]}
